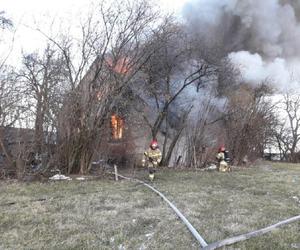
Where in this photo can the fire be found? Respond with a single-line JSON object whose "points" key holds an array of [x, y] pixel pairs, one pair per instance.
{"points": [[117, 124], [121, 66]]}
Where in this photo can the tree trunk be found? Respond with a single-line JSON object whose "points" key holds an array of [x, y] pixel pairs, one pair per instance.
{"points": [[166, 160], [20, 165], [39, 134], [4, 150], [85, 161]]}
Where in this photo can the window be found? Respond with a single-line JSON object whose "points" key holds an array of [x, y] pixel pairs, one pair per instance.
{"points": [[117, 125]]}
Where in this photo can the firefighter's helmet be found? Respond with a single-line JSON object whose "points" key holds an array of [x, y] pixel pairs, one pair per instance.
{"points": [[154, 144]]}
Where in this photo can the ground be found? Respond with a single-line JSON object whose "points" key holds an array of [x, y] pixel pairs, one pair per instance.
{"points": [[104, 214]]}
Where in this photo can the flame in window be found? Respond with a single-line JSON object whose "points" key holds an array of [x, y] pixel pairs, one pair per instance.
{"points": [[117, 125]]}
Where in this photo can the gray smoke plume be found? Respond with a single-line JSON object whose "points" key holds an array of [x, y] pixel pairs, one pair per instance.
{"points": [[261, 37]]}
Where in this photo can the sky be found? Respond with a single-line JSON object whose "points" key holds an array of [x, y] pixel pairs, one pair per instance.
{"points": [[20, 7], [27, 13]]}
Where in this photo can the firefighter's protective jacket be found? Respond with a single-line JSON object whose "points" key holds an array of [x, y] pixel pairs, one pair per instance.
{"points": [[223, 165], [152, 157], [220, 156]]}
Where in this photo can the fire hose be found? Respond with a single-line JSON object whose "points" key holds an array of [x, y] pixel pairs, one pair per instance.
{"points": [[220, 243], [178, 213]]}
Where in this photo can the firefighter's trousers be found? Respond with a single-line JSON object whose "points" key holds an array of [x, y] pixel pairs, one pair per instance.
{"points": [[224, 166]]}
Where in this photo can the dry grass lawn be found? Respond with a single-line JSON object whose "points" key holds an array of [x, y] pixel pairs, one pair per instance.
{"points": [[104, 214]]}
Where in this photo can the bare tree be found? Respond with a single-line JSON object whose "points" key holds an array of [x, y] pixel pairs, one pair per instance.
{"points": [[112, 50], [170, 71], [10, 108], [200, 134], [42, 78], [249, 121], [6, 25], [287, 132], [282, 139]]}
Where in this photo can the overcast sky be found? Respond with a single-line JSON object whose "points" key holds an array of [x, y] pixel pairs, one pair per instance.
{"points": [[25, 13], [20, 7]]}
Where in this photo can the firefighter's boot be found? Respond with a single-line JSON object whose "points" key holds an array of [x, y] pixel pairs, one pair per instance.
{"points": [[151, 176]]}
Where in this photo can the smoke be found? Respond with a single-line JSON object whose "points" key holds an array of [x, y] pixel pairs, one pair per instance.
{"points": [[255, 70], [261, 37]]}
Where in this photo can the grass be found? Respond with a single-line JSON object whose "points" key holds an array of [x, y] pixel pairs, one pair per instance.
{"points": [[105, 214]]}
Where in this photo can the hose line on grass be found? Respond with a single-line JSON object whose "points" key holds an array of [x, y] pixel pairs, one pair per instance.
{"points": [[179, 214], [232, 240], [221, 243]]}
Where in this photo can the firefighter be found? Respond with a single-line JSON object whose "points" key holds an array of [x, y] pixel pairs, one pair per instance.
{"points": [[151, 158], [223, 160]]}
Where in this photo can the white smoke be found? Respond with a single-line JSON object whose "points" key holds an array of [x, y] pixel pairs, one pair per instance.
{"points": [[255, 70], [261, 37]]}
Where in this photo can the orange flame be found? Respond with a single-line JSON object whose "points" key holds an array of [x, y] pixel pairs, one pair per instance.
{"points": [[121, 66], [117, 125]]}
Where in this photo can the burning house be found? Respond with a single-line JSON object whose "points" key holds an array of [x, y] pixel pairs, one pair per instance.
{"points": [[113, 127], [112, 117]]}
